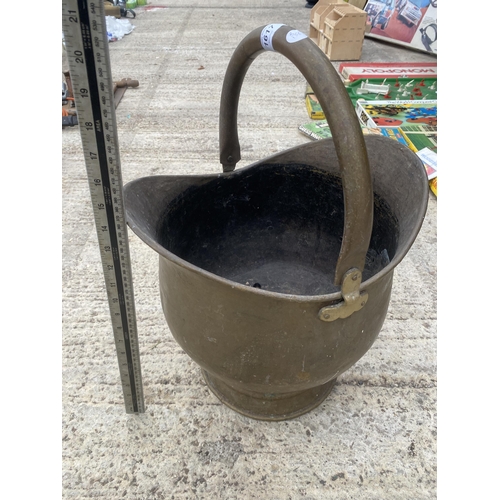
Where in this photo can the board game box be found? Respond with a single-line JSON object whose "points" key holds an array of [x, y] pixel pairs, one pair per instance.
{"points": [[388, 89], [420, 137], [313, 107], [411, 23], [319, 129], [353, 71], [372, 89], [316, 130], [397, 113]]}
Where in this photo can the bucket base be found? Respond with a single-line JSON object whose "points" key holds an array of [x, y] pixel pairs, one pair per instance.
{"points": [[269, 409]]}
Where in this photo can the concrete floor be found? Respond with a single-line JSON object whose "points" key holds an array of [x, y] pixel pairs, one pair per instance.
{"points": [[374, 436]]}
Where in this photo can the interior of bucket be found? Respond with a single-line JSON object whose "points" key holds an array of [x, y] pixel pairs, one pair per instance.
{"points": [[275, 227]]}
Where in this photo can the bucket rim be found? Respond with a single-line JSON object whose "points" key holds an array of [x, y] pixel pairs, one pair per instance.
{"points": [[175, 259], [279, 158]]}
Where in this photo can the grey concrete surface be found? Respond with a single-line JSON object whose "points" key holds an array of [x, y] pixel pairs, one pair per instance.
{"points": [[373, 438]]}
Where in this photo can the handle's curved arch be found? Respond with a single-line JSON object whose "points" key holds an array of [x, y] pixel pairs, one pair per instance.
{"points": [[339, 113]]}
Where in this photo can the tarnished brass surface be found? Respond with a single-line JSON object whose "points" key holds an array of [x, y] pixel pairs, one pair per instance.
{"points": [[247, 258], [352, 300]]}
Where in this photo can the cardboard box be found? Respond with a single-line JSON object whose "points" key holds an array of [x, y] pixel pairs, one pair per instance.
{"points": [[342, 33], [318, 15]]}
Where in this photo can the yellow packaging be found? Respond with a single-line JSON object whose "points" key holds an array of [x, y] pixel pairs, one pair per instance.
{"points": [[313, 108], [434, 185]]}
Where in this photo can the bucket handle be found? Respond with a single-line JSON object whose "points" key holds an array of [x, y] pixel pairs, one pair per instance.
{"points": [[340, 115]]}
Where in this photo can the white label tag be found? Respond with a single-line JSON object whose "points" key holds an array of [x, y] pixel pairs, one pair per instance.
{"points": [[295, 36], [266, 35]]}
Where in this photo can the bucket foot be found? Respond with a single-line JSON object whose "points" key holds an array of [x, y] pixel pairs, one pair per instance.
{"points": [[268, 408]]}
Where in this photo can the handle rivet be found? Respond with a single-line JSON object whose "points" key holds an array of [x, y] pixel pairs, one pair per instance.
{"points": [[230, 159], [352, 299]]}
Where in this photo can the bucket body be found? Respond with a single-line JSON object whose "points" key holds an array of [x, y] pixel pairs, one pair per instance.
{"points": [[264, 351], [267, 356]]}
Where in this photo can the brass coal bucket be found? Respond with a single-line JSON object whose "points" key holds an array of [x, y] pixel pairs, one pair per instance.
{"points": [[276, 278]]}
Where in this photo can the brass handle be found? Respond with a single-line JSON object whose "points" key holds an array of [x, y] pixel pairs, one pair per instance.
{"points": [[339, 113]]}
